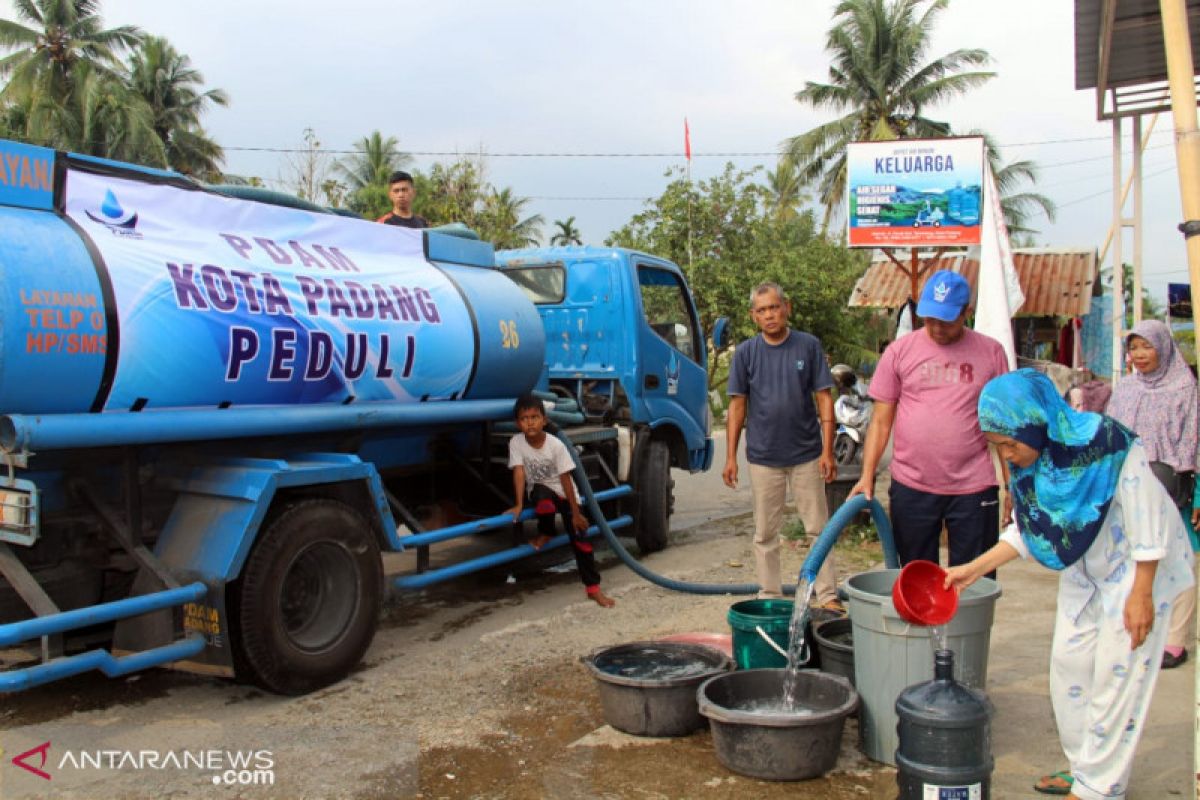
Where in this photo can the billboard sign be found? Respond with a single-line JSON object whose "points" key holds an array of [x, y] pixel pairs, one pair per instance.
{"points": [[1179, 300], [219, 300], [915, 192]]}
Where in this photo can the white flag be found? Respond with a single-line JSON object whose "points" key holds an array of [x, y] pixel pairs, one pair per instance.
{"points": [[1000, 292]]}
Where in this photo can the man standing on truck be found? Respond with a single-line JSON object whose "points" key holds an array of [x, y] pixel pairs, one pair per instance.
{"points": [[928, 384], [783, 377], [402, 192]]}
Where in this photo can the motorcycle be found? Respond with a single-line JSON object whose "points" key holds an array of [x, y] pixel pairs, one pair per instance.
{"points": [[852, 412]]}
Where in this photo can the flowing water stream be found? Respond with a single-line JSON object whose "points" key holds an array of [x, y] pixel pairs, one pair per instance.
{"points": [[791, 676], [937, 638]]}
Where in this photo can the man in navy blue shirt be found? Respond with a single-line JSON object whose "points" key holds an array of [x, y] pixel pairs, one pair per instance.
{"points": [[780, 390]]}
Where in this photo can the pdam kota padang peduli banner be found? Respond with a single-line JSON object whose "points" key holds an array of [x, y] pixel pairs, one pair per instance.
{"points": [[915, 192]]}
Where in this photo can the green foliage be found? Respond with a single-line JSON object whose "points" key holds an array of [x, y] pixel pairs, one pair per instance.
{"points": [[451, 193], [567, 233], [502, 223], [1019, 204], [738, 240], [366, 172], [1186, 340], [67, 88], [165, 80], [57, 36], [1151, 308], [459, 192], [371, 201], [793, 530]]}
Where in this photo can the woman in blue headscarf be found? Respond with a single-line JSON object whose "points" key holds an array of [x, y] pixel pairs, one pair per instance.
{"points": [[1088, 505]]}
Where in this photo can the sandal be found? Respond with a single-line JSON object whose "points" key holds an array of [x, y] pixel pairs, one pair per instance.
{"points": [[833, 605], [1059, 783]]}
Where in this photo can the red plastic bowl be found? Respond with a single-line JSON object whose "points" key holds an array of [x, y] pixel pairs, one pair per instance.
{"points": [[919, 596]]}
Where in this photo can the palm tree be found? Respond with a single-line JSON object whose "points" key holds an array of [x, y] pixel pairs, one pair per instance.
{"points": [[375, 159], [567, 232], [784, 194], [58, 34], [1019, 207], [880, 82], [100, 116], [166, 80], [504, 226]]}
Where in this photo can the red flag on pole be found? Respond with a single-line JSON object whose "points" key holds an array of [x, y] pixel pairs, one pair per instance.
{"points": [[687, 140]]}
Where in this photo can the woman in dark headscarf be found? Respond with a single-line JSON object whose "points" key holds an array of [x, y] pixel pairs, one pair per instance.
{"points": [[1087, 504], [1158, 402]]}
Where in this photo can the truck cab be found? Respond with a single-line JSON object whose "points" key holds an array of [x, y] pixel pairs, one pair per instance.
{"points": [[623, 341]]}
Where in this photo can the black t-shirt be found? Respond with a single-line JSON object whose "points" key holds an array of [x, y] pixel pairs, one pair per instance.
{"points": [[414, 221]]}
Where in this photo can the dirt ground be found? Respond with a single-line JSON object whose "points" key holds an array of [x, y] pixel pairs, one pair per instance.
{"points": [[474, 689]]}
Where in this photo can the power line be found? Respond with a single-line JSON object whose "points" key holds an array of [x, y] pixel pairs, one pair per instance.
{"points": [[649, 154], [1109, 191]]}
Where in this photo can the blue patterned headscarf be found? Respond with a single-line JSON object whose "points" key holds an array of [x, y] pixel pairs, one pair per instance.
{"points": [[1062, 498]]}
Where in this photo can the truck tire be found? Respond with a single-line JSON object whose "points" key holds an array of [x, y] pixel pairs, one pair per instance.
{"points": [[308, 597], [655, 491]]}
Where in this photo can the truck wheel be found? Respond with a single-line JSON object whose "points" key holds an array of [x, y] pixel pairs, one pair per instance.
{"points": [[308, 598], [655, 498]]}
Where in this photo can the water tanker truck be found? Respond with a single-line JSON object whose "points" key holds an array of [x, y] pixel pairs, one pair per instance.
{"points": [[218, 413]]}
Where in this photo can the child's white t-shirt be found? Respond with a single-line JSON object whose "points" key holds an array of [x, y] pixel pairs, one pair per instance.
{"points": [[542, 465]]}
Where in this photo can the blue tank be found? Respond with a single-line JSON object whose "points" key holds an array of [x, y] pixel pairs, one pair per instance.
{"points": [[146, 292]]}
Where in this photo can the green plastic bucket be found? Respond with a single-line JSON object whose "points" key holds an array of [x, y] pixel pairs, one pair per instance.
{"points": [[774, 617]]}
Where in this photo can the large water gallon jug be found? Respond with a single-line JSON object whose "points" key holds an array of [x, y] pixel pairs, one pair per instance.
{"points": [[954, 202], [945, 750]]}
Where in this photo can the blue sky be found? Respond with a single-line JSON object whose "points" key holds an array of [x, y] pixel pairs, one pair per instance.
{"points": [[536, 76]]}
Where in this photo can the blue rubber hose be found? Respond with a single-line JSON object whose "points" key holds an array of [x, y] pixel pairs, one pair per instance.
{"points": [[833, 528], [812, 564]]}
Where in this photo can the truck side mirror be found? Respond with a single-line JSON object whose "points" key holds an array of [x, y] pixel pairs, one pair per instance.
{"points": [[720, 333]]}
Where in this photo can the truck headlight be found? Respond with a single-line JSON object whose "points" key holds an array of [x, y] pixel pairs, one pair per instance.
{"points": [[18, 511]]}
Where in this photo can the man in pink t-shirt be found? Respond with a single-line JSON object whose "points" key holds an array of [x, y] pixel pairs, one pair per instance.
{"points": [[927, 386]]}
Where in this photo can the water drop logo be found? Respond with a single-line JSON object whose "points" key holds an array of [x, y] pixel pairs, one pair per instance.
{"points": [[114, 217], [941, 291]]}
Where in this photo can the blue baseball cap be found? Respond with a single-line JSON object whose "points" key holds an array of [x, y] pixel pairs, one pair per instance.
{"points": [[944, 297]]}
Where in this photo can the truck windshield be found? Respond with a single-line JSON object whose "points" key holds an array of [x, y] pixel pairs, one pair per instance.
{"points": [[543, 284]]}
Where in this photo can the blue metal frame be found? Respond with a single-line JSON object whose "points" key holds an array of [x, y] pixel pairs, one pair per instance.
{"points": [[425, 579], [113, 666], [39, 432], [16, 632], [490, 523]]}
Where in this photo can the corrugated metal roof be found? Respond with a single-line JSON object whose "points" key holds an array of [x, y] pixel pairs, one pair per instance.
{"points": [[1056, 282], [1137, 56]]}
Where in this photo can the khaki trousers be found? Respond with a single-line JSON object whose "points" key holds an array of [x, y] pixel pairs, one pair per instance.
{"points": [[1183, 612], [770, 485]]}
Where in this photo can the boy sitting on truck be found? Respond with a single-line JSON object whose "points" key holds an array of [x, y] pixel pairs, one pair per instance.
{"points": [[541, 464]]}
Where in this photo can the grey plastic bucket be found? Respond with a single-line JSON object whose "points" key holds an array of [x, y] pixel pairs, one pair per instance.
{"points": [[837, 656], [654, 706], [777, 745], [891, 654]]}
